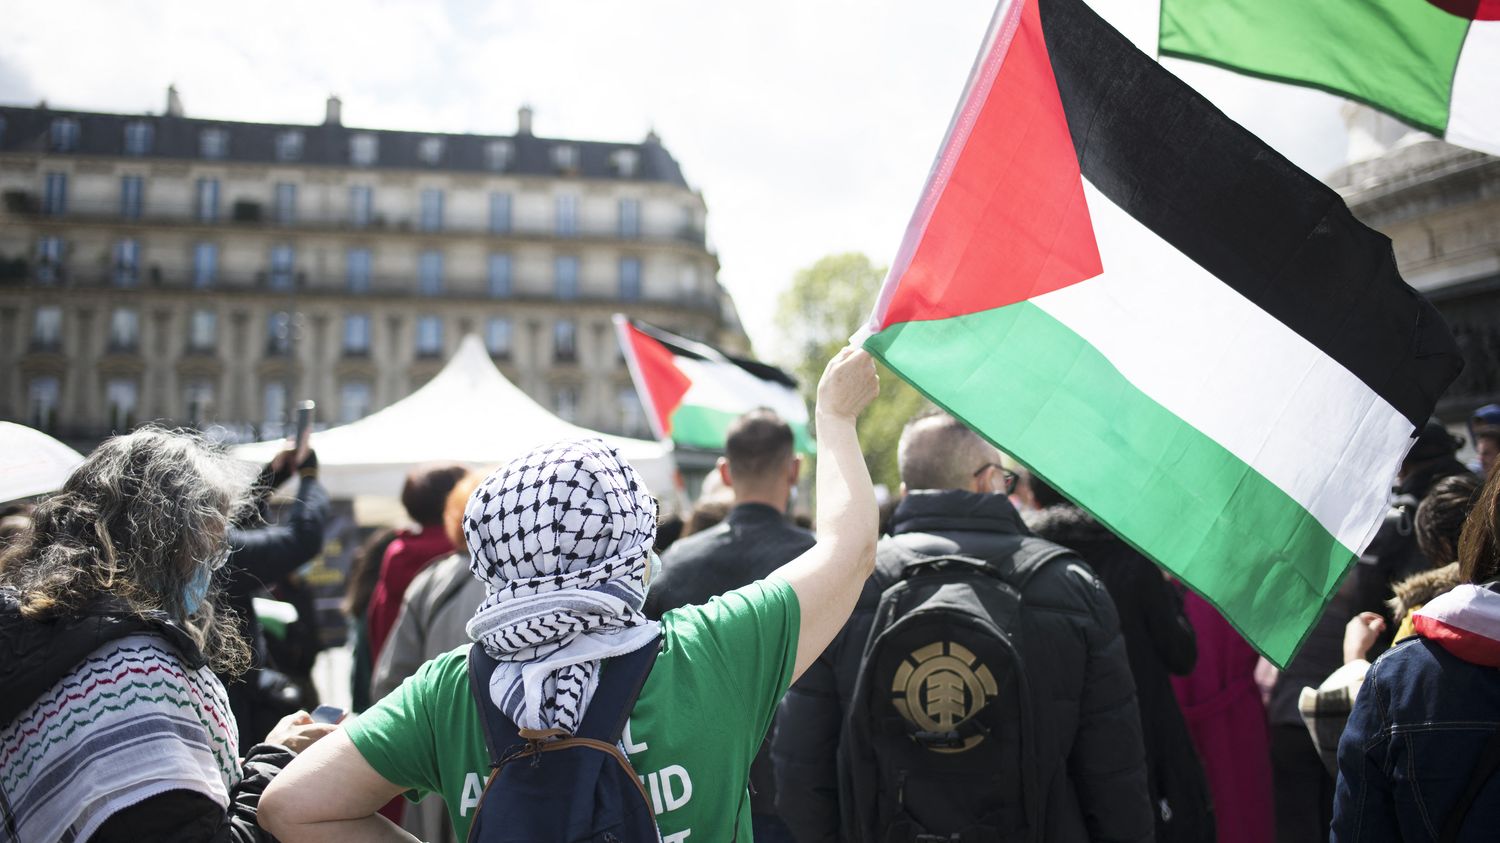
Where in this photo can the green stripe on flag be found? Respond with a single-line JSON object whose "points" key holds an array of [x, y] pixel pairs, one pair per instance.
{"points": [[1042, 393], [697, 426], [1396, 55]]}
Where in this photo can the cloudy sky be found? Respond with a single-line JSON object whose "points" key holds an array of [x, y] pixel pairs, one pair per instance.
{"points": [[809, 125]]}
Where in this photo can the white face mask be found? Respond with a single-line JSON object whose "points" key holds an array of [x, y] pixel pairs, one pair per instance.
{"points": [[653, 570]]}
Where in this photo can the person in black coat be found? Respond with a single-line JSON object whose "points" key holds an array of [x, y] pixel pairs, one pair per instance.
{"points": [[1159, 642]]}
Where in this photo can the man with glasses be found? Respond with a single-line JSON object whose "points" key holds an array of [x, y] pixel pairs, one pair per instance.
{"points": [[1088, 777]]}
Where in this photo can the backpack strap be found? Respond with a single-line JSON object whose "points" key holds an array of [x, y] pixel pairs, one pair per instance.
{"points": [[620, 684], [501, 738], [1489, 762], [1030, 554]]}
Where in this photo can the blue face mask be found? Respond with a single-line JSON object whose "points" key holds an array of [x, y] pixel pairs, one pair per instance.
{"points": [[197, 589]]}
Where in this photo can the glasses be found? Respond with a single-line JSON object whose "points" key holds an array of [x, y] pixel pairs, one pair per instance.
{"points": [[1010, 476]]}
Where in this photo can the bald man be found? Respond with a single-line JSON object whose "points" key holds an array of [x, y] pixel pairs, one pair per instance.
{"points": [[1090, 762]]}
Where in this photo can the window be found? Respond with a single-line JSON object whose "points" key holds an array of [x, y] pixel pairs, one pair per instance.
{"points": [[273, 407], [203, 331], [630, 218], [49, 258], [46, 328], [286, 203], [363, 149], [431, 210], [429, 336], [632, 414], [43, 394], [564, 341], [500, 282], [430, 273], [207, 200], [565, 277], [630, 279], [55, 193], [357, 270], [626, 162], [213, 143], [205, 264], [138, 135], [119, 400], [357, 334], [565, 157], [567, 215], [124, 329], [499, 213], [498, 155], [130, 197], [127, 262], [430, 151], [497, 337], [289, 146], [354, 401], [283, 261], [361, 205], [64, 134], [565, 400], [197, 400], [279, 333]]}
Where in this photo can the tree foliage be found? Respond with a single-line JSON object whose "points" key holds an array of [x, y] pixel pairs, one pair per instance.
{"points": [[826, 303]]}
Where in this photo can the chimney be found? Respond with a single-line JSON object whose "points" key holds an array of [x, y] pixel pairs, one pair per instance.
{"points": [[174, 102], [652, 138], [523, 120], [334, 116]]}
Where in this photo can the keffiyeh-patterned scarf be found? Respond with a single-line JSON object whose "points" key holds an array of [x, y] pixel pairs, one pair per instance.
{"points": [[561, 539]]}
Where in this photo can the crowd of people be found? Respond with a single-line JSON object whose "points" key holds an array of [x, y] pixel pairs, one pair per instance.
{"points": [[542, 656]]}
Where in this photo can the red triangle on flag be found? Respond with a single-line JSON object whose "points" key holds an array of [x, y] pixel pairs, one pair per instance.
{"points": [[1005, 217], [656, 368]]}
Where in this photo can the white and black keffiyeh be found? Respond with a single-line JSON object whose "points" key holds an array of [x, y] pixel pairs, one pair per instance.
{"points": [[561, 539]]}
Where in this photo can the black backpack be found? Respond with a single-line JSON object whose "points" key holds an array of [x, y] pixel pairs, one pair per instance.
{"points": [[939, 741], [572, 789]]}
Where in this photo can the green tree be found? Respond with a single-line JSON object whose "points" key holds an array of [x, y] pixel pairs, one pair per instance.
{"points": [[826, 303]]}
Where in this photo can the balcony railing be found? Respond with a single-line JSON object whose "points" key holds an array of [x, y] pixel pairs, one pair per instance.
{"points": [[243, 213]]}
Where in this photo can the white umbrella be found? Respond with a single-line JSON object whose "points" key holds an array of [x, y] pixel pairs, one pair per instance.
{"points": [[31, 462]]}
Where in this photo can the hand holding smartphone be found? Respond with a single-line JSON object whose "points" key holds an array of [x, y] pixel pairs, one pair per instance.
{"points": [[304, 430], [327, 714]]}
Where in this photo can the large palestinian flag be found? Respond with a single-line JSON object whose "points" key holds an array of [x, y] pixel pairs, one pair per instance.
{"points": [[1162, 317], [1433, 63], [693, 391]]}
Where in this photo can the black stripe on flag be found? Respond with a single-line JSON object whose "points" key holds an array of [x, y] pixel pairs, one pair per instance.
{"points": [[1224, 198], [695, 350]]}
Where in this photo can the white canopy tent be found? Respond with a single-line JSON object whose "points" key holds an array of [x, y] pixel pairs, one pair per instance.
{"points": [[469, 413], [31, 462]]}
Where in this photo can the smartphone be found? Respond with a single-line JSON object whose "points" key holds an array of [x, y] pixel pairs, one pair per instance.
{"points": [[327, 714], [304, 428]]}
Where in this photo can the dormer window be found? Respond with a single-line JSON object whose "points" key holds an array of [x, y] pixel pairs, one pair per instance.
{"points": [[289, 146], [64, 134], [498, 155], [626, 162], [565, 158], [363, 149], [430, 151], [138, 137], [213, 143]]}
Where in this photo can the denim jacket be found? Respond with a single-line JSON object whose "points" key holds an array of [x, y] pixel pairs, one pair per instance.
{"points": [[1415, 737]]}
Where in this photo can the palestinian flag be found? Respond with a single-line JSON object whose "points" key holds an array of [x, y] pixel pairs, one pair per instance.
{"points": [[693, 391], [1163, 318], [1433, 63]]}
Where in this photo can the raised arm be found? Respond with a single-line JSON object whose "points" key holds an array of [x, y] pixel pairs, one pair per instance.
{"points": [[828, 577]]}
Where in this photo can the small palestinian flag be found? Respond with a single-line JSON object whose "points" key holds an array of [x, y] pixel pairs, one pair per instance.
{"points": [[1433, 63], [1163, 318], [693, 391]]}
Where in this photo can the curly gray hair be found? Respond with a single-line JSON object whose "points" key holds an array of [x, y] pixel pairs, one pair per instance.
{"points": [[136, 522]]}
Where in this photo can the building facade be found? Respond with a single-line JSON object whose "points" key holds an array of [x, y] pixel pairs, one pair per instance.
{"points": [[212, 273], [1440, 205]]}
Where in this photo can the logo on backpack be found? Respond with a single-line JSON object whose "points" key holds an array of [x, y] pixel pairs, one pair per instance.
{"points": [[940, 686]]}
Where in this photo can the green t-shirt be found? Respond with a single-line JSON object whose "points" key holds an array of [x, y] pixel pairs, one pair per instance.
{"points": [[695, 727]]}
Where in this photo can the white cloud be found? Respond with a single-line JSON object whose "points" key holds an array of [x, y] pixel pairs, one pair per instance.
{"points": [[808, 125]]}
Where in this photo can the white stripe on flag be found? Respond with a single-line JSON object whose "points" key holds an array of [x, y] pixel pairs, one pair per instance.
{"points": [[1474, 108], [727, 387], [1236, 374]]}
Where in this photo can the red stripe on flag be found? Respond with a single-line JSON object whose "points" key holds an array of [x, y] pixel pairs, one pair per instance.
{"points": [[1011, 222], [1469, 646], [664, 382]]}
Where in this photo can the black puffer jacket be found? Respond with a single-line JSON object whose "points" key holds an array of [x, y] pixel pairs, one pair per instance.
{"points": [[1090, 757], [38, 654], [1159, 641]]}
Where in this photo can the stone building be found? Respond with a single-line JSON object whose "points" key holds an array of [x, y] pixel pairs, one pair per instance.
{"points": [[1440, 205], [211, 273]]}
